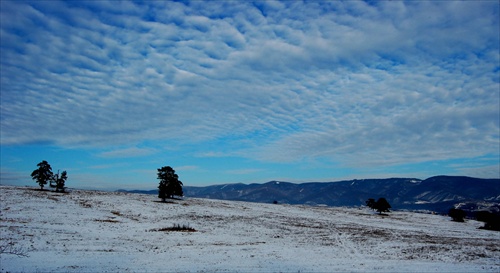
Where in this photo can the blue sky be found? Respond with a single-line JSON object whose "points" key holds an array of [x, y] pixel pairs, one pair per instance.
{"points": [[242, 92]]}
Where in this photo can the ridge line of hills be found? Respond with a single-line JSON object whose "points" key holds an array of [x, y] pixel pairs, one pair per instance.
{"points": [[437, 193]]}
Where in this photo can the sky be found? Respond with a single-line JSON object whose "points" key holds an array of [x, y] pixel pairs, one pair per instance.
{"points": [[248, 92]]}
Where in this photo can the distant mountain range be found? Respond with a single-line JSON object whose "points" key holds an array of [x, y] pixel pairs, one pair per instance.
{"points": [[438, 193]]}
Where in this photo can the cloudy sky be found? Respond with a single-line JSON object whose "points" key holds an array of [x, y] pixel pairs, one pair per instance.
{"points": [[234, 91]]}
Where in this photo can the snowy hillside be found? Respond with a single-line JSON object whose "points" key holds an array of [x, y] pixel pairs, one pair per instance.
{"points": [[437, 193], [91, 231]]}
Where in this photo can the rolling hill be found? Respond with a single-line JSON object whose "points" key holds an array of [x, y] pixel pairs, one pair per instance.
{"points": [[95, 231], [438, 193]]}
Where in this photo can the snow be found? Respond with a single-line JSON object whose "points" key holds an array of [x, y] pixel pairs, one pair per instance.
{"points": [[92, 231]]}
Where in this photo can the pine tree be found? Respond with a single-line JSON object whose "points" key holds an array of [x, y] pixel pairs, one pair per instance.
{"points": [[370, 203], [491, 220], [457, 215], [43, 174], [170, 184], [61, 180], [382, 205]]}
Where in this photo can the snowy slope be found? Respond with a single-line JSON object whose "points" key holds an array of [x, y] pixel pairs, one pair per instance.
{"points": [[437, 193], [91, 231]]}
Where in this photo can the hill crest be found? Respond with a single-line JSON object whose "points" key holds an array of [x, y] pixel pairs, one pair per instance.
{"points": [[437, 193]]}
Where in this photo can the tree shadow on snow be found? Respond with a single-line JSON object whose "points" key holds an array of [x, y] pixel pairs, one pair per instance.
{"points": [[165, 202]]}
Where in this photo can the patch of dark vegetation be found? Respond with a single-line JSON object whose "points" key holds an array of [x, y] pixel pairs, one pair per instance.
{"points": [[491, 220], [85, 204], [457, 215], [308, 225], [117, 213], [52, 198], [176, 227], [107, 220], [381, 205]]}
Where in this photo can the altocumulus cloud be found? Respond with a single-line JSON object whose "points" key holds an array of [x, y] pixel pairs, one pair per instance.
{"points": [[352, 82]]}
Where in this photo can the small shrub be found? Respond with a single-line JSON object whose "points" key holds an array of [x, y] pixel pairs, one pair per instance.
{"points": [[457, 215], [176, 227]]}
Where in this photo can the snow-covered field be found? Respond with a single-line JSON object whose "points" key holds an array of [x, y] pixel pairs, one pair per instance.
{"points": [[91, 231]]}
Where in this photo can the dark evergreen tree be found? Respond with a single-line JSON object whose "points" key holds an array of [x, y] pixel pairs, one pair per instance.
{"points": [[170, 184], [491, 220], [370, 203], [60, 180], [382, 205], [43, 174], [457, 215]]}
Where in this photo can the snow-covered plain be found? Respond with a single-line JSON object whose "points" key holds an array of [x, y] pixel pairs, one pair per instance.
{"points": [[92, 231]]}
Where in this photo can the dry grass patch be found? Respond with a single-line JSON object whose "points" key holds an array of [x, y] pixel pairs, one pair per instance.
{"points": [[183, 228], [107, 220], [117, 213]]}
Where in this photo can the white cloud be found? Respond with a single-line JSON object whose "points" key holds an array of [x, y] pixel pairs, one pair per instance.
{"points": [[129, 152], [488, 171], [186, 168], [356, 83]]}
